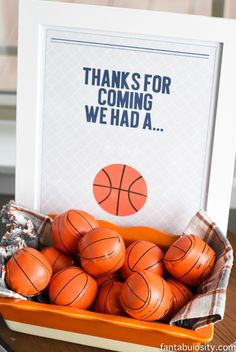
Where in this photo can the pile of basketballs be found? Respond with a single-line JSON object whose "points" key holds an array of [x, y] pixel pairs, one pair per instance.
{"points": [[90, 267]]}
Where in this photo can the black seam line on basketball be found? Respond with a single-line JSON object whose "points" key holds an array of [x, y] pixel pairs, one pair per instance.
{"points": [[108, 176], [82, 216], [178, 248], [110, 187], [135, 244], [67, 217], [25, 273], [105, 301], [194, 263], [55, 298], [176, 260], [118, 196], [104, 199], [99, 257], [143, 256], [79, 292], [57, 225], [101, 239], [57, 274], [67, 249], [81, 297], [162, 297], [163, 291], [150, 266], [131, 203], [111, 269], [129, 191], [167, 310], [56, 259], [121, 189], [32, 255], [182, 293], [145, 301], [135, 294]]}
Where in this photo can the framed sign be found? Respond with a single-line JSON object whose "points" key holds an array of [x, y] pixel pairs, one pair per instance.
{"points": [[127, 114]]}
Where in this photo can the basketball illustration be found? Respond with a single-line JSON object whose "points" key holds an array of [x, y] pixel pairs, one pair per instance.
{"points": [[120, 189], [69, 227], [102, 251], [146, 296], [72, 287], [190, 260], [108, 299], [181, 295], [143, 255], [28, 272], [57, 259]]}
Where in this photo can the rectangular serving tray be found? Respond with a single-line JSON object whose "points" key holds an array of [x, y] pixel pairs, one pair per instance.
{"points": [[101, 330]]}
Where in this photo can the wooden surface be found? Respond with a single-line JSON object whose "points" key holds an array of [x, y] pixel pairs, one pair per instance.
{"points": [[225, 331]]}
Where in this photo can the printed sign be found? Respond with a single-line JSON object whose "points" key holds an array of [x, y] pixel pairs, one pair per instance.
{"points": [[127, 126]]}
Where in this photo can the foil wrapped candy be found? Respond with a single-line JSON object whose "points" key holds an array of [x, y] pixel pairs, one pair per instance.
{"points": [[24, 228]]}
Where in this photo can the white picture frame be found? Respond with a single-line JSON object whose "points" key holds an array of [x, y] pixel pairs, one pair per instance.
{"points": [[36, 15]]}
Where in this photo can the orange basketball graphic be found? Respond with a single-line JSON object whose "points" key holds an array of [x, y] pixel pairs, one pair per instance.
{"points": [[57, 259], [108, 299], [102, 280], [120, 189], [28, 272], [190, 260], [72, 287], [143, 255], [69, 227], [146, 296], [102, 251], [181, 295]]}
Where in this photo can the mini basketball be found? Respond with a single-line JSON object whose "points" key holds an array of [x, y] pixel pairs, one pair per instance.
{"points": [[190, 260], [67, 228], [102, 280], [108, 299], [72, 287], [181, 295], [28, 272], [146, 296], [57, 259], [120, 189], [143, 255], [102, 251]]}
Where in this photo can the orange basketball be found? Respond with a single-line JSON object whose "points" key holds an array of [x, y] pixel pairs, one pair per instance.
{"points": [[72, 287], [57, 259], [28, 272], [143, 255], [102, 251], [146, 296], [190, 260], [105, 279], [181, 295], [69, 227], [108, 299], [120, 189]]}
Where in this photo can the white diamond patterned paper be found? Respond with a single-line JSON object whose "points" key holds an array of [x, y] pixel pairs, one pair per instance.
{"points": [[173, 161]]}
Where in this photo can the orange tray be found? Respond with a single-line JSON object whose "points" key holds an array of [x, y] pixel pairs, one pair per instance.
{"points": [[100, 330]]}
